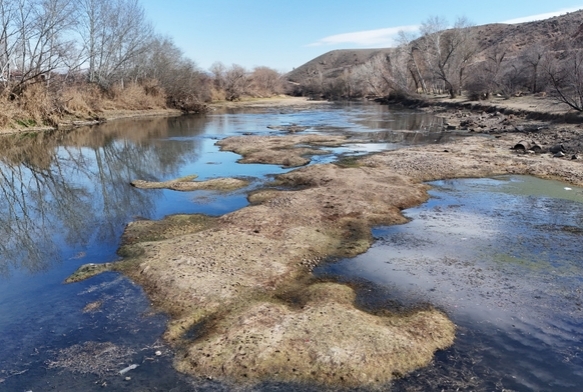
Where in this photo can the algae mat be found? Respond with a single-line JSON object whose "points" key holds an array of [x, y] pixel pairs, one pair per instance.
{"points": [[239, 287]]}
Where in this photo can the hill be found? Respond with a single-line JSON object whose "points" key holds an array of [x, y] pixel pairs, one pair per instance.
{"points": [[511, 40], [333, 63]]}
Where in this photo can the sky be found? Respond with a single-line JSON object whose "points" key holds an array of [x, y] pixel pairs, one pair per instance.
{"points": [[284, 34]]}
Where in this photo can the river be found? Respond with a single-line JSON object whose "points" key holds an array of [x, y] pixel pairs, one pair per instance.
{"points": [[66, 198]]}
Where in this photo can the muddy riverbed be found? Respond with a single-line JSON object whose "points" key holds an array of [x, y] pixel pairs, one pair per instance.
{"points": [[501, 256], [239, 285]]}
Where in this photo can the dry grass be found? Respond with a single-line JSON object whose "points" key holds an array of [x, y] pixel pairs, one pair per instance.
{"points": [[327, 341], [102, 359], [82, 101], [135, 96], [38, 105], [217, 95], [188, 184]]}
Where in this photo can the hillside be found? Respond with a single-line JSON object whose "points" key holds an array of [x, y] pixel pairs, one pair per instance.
{"points": [[511, 38], [331, 64]]}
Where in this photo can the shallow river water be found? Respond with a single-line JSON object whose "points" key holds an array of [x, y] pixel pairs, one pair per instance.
{"points": [[502, 257]]}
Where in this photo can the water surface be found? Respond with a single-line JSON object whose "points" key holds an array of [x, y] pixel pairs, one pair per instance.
{"points": [[503, 258], [65, 198]]}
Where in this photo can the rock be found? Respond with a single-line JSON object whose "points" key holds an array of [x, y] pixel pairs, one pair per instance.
{"points": [[522, 145], [127, 369], [292, 128]]}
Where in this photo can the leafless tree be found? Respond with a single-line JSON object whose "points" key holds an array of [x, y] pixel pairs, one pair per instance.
{"points": [[265, 82], [34, 39], [412, 55], [533, 57], [383, 74], [181, 80], [564, 66], [115, 33], [371, 77], [565, 72], [236, 82], [8, 40], [447, 52]]}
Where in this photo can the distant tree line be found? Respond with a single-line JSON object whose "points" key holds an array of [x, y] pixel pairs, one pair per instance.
{"points": [[61, 57], [452, 60]]}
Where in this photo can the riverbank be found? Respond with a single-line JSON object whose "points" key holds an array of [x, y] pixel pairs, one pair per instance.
{"points": [[107, 115], [277, 101], [539, 119], [112, 115]]}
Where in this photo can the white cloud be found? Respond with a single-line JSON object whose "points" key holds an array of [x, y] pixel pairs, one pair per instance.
{"points": [[542, 16], [380, 37]]}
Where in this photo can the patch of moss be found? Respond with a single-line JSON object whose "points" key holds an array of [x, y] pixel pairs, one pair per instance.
{"points": [[169, 227], [130, 251], [326, 340], [348, 162], [88, 271], [26, 123]]}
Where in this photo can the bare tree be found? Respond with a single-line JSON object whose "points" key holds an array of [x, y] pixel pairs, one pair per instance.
{"points": [[8, 40], [382, 75], [564, 66], [369, 76], [35, 36], [412, 53], [565, 72], [533, 56], [183, 83], [236, 82], [447, 52], [115, 33], [265, 82]]}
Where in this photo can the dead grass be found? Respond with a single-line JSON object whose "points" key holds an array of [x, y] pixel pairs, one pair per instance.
{"points": [[83, 101], [327, 341], [188, 184], [135, 96], [37, 105], [92, 357]]}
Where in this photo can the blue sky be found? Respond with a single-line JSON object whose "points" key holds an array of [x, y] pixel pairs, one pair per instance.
{"points": [[284, 34]]}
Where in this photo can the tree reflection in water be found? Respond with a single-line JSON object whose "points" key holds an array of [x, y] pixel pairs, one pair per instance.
{"points": [[63, 190]]}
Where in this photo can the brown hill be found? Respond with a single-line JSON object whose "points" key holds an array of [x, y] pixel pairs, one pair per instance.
{"points": [[332, 64], [512, 38]]}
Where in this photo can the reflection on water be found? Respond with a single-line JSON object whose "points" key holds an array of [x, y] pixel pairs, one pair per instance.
{"points": [[502, 257], [64, 192], [61, 190], [65, 199]]}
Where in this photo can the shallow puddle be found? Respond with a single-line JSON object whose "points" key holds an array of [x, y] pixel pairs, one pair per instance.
{"points": [[503, 257]]}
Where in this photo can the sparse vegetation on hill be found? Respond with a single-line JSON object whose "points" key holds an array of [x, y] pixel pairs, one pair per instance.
{"points": [[541, 57]]}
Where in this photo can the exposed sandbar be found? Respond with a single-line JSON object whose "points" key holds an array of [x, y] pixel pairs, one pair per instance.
{"points": [[239, 290], [188, 184]]}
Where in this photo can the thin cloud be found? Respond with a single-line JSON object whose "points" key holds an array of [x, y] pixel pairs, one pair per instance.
{"points": [[542, 16], [379, 37]]}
